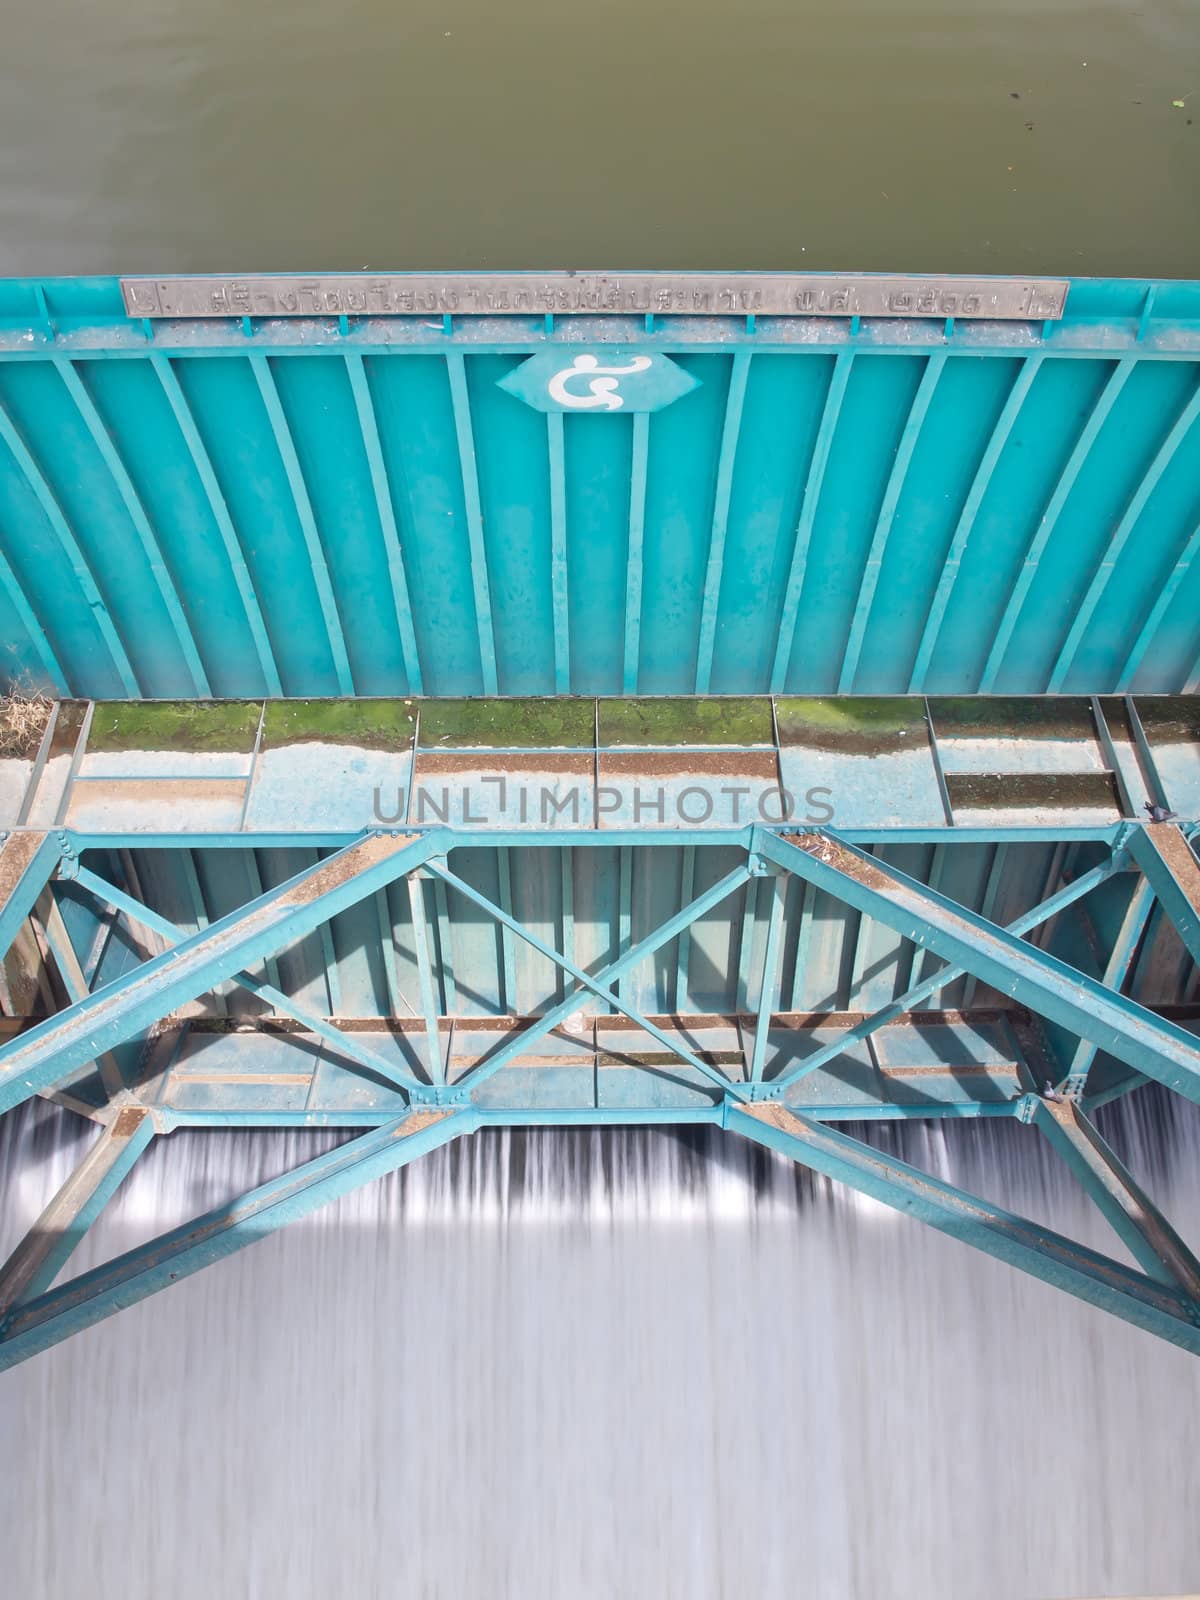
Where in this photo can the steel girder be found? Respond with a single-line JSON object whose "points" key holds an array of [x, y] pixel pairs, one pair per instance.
{"points": [[757, 1088]]}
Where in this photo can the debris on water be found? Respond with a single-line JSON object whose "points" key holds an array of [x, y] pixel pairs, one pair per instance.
{"points": [[1013, 95], [1029, 126], [1179, 104]]}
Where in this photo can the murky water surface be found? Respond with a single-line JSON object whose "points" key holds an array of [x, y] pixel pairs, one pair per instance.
{"points": [[944, 136]]}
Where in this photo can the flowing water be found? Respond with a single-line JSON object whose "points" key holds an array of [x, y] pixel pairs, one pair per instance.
{"points": [[605, 1364]]}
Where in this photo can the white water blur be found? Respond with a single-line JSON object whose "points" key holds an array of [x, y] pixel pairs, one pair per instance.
{"points": [[591, 1365]]}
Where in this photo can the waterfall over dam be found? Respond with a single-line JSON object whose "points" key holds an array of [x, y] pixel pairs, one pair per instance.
{"points": [[593, 1363]]}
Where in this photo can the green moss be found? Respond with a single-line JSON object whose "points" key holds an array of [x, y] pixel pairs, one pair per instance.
{"points": [[192, 725], [532, 724], [365, 724], [664, 722], [854, 723]]}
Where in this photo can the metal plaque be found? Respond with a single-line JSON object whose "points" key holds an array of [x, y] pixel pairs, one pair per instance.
{"points": [[690, 294]]}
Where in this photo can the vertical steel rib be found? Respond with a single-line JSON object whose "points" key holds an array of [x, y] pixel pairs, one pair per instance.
{"points": [[631, 653], [826, 430], [559, 594], [368, 423], [136, 511], [1158, 611], [918, 411], [464, 433], [687, 884], [980, 484], [507, 953], [770, 970], [219, 508], [1103, 575], [73, 551], [1054, 507], [286, 446], [27, 617], [429, 1006], [730, 433]]}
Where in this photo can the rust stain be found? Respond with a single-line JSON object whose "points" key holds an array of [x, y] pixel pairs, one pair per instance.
{"points": [[1176, 852], [770, 1111], [16, 853], [127, 1122], [836, 855], [359, 858], [418, 1120]]}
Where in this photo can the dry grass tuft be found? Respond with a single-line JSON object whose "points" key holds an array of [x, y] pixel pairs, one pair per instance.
{"points": [[23, 719]]}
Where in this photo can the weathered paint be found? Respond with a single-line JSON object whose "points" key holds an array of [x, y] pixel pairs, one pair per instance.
{"points": [[322, 506], [297, 570]]}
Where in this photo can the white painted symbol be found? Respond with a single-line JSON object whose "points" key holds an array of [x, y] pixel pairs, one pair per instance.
{"points": [[602, 389]]}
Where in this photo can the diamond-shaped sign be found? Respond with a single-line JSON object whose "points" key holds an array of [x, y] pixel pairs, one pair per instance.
{"points": [[599, 379]]}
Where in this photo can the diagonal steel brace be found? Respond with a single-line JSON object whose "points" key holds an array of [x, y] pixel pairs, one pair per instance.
{"points": [[48, 1052]]}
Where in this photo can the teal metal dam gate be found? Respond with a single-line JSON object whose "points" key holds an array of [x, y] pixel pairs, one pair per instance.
{"points": [[437, 702]]}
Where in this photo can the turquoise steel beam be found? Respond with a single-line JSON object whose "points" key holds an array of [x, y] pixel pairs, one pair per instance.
{"points": [[343, 1041], [36, 1060], [790, 614], [62, 952], [82, 839], [595, 985], [1049, 986], [122, 1282], [556, 445], [335, 632], [735, 402], [1166, 857], [1119, 538], [465, 436], [219, 507], [69, 545], [19, 600], [429, 1008], [913, 996], [1116, 970], [1121, 372], [632, 629], [1134, 1217], [27, 863], [873, 565], [549, 1020], [1163, 600], [369, 427], [1061, 1262], [45, 1249], [1028, 371], [156, 562], [770, 972]]}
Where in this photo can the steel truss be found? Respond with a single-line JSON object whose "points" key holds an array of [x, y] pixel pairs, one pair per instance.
{"points": [[778, 1078]]}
